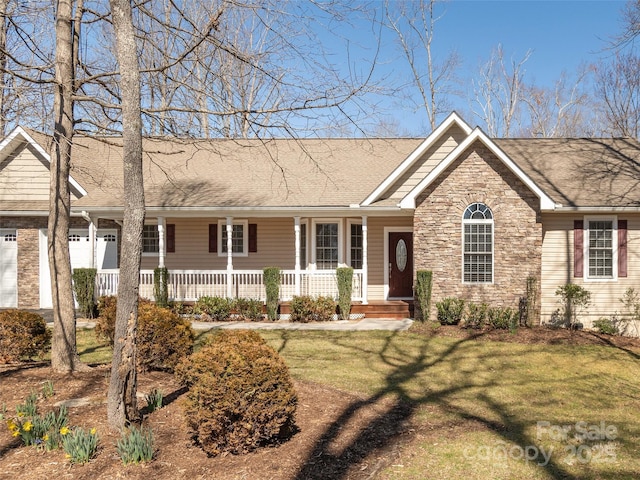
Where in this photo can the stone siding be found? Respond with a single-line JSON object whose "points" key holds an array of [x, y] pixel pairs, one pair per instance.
{"points": [[478, 176]]}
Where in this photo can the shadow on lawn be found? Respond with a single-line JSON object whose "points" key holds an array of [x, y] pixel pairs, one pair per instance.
{"points": [[385, 430]]}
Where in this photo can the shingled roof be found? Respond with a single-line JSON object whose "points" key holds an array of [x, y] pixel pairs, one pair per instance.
{"points": [[580, 172], [576, 172], [236, 173]]}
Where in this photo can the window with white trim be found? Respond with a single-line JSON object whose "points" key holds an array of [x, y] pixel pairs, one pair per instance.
{"points": [[600, 248], [477, 242], [327, 242], [150, 239], [239, 238], [355, 245]]}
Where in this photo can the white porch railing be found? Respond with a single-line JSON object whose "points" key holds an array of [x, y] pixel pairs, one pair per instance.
{"points": [[189, 285]]}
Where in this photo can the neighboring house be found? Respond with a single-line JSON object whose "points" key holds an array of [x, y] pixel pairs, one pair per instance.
{"points": [[483, 214]]}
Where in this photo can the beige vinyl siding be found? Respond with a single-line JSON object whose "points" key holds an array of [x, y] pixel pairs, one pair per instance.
{"points": [[276, 244], [557, 268], [23, 177], [429, 160]]}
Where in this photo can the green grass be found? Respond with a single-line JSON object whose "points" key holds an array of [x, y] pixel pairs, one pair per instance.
{"points": [[90, 350], [471, 401]]}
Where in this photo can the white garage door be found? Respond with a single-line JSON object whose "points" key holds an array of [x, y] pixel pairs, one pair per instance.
{"points": [[8, 269], [80, 253]]}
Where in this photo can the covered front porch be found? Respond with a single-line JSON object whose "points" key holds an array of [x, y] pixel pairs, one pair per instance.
{"points": [[190, 285]]}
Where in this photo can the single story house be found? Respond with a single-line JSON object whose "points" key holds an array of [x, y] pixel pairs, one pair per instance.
{"points": [[482, 214]]}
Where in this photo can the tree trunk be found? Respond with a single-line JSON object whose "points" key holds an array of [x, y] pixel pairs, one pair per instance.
{"points": [[64, 357], [121, 402]]}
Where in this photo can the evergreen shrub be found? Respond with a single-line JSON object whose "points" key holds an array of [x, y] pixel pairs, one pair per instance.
{"points": [[240, 396], [22, 334]]}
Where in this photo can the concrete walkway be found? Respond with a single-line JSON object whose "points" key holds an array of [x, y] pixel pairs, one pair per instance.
{"points": [[344, 325]]}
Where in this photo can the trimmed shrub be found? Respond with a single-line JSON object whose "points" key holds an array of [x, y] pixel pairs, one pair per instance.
{"points": [[271, 278], [502, 318], [573, 299], [248, 309], [218, 308], [240, 397], [345, 289], [306, 309], [163, 338], [106, 322], [606, 325], [161, 286], [450, 310], [424, 282], [22, 334], [532, 301], [84, 286], [476, 316]]}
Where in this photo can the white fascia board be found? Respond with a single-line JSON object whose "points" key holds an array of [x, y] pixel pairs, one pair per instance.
{"points": [[409, 201], [41, 151], [452, 119]]}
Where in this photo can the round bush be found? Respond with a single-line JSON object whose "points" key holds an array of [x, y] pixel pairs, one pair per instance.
{"points": [[22, 334], [240, 394], [163, 337]]}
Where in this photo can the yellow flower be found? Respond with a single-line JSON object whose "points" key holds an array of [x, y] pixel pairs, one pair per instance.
{"points": [[27, 426], [12, 425], [16, 433], [45, 438], [20, 414], [64, 430], [93, 431]]}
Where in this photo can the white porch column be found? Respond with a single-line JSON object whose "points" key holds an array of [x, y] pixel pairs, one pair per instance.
{"points": [[229, 228], [365, 261], [296, 227], [92, 241], [162, 249]]}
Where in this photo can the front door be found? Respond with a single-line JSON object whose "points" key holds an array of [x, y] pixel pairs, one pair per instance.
{"points": [[400, 264]]}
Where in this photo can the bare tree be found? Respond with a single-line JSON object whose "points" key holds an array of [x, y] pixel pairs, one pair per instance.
{"points": [[630, 15], [64, 357], [499, 93], [559, 111], [413, 23], [121, 400], [617, 87]]}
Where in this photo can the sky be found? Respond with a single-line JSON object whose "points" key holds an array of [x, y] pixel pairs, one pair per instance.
{"points": [[562, 36]]}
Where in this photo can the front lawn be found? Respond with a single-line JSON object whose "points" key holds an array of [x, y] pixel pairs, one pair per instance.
{"points": [[487, 409], [472, 407]]}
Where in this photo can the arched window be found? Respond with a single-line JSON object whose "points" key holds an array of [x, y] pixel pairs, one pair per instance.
{"points": [[477, 247]]}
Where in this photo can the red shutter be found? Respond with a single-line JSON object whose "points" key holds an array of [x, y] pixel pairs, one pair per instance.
{"points": [[213, 237], [171, 238], [622, 248], [578, 249], [253, 238]]}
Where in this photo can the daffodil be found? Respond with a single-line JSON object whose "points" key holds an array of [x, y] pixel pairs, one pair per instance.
{"points": [[64, 430], [27, 426], [16, 433], [45, 438], [93, 431]]}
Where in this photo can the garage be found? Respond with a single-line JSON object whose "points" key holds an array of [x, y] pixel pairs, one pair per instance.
{"points": [[8, 268], [106, 251]]}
